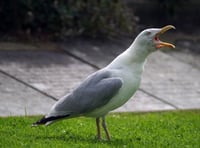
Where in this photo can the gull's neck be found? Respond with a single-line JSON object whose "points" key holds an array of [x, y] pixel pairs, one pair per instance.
{"points": [[136, 53], [134, 56]]}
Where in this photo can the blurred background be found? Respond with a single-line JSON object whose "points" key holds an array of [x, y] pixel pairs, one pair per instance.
{"points": [[67, 18], [48, 47]]}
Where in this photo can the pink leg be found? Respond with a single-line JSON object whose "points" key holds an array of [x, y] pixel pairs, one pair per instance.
{"points": [[105, 128], [98, 128]]}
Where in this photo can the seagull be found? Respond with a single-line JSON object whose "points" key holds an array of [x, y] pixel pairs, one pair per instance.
{"points": [[111, 86]]}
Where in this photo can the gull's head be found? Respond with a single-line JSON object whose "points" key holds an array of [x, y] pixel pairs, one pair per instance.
{"points": [[150, 38]]}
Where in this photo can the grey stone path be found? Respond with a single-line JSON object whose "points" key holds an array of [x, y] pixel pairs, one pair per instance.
{"points": [[32, 80]]}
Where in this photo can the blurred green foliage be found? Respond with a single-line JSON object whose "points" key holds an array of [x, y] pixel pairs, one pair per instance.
{"points": [[60, 18], [169, 7]]}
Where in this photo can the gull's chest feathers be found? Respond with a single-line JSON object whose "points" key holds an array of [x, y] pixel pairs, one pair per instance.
{"points": [[131, 80]]}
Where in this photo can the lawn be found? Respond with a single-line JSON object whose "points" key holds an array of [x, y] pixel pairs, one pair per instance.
{"points": [[159, 129]]}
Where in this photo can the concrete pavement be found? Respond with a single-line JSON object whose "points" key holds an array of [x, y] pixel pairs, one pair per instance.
{"points": [[32, 80]]}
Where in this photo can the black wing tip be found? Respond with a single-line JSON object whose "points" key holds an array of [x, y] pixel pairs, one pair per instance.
{"points": [[45, 120], [40, 122]]}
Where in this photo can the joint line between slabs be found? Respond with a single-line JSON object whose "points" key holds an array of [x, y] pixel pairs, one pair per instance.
{"points": [[28, 85], [82, 60], [158, 98]]}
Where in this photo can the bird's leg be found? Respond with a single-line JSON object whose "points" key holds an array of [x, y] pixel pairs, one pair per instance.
{"points": [[98, 128], [105, 128]]}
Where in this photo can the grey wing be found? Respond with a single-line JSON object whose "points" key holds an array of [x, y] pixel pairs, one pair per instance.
{"points": [[93, 93]]}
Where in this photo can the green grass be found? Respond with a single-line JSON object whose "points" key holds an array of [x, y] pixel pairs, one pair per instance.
{"points": [[161, 129]]}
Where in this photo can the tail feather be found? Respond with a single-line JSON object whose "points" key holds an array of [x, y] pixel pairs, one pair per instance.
{"points": [[47, 120]]}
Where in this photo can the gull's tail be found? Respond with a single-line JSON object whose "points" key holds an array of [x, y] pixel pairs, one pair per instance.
{"points": [[49, 120]]}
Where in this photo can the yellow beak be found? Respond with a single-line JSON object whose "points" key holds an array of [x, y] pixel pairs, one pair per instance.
{"points": [[160, 44]]}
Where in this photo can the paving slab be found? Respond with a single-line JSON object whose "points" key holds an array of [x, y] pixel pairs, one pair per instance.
{"points": [[142, 102], [52, 72], [188, 51], [18, 99], [97, 52], [173, 81]]}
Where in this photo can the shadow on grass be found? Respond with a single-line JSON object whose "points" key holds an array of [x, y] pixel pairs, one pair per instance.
{"points": [[68, 137]]}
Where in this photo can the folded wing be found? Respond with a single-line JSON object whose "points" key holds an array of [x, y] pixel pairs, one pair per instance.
{"points": [[94, 92]]}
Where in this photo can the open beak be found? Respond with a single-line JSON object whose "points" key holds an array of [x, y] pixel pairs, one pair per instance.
{"points": [[160, 44]]}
